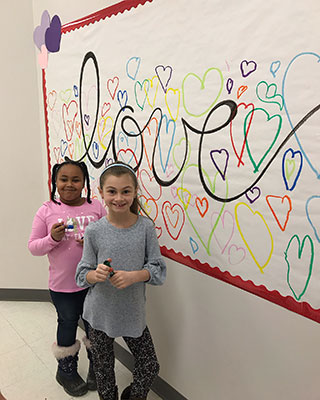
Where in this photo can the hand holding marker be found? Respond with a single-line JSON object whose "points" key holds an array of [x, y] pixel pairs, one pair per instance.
{"points": [[107, 263]]}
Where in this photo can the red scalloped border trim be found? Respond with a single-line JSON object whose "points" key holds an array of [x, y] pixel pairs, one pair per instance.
{"points": [[273, 296], [44, 92], [102, 14]]}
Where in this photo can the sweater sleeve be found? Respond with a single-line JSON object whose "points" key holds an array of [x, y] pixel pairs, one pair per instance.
{"points": [[40, 240], [88, 261], [154, 261]]}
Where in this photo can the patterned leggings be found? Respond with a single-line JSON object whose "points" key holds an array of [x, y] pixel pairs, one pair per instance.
{"points": [[146, 366]]}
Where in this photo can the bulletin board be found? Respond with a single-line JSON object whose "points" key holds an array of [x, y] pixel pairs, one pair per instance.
{"points": [[216, 106]]}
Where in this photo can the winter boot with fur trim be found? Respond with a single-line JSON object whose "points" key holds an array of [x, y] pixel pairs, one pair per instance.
{"points": [[91, 377], [67, 374]]}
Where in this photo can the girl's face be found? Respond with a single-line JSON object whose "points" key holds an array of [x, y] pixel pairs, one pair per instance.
{"points": [[70, 182], [118, 193]]}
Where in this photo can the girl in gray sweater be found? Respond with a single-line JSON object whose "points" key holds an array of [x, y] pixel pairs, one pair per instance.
{"points": [[115, 304]]}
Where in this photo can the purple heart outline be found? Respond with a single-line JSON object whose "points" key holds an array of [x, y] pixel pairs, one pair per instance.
{"points": [[229, 85], [53, 35], [253, 194], [163, 68], [250, 67], [40, 30], [86, 119], [221, 172]]}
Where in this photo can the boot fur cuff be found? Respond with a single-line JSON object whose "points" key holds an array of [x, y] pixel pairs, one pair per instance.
{"points": [[62, 352], [86, 342]]}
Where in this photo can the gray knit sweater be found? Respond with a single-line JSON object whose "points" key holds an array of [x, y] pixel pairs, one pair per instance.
{"points": [[119, 312]]}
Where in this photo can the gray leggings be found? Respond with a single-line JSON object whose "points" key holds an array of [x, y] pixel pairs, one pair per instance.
{"points": [[146, 366]]}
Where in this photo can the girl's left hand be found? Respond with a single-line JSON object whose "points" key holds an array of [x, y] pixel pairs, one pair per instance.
{"points": [[123, 279], [80, 241]]}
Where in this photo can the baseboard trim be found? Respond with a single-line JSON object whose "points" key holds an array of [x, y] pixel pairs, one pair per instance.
{"points": [[24, 295], [160, 386]]}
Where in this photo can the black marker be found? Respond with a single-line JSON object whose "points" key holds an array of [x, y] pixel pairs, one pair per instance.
{"points": [[107, 263]]}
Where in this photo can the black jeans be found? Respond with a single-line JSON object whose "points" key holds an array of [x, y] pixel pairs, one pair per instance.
{"points": [[69, 308]]}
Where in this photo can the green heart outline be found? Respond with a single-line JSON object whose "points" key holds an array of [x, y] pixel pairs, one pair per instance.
{"points": [[256, 166], [280, 103], [201, 88], [301, 246]]}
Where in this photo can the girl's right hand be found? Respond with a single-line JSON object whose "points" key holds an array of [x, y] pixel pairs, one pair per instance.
{"points": [[100, 274], [58, 231]]}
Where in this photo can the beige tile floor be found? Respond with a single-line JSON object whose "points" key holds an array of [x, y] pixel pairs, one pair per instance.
{"points": [[27, 366]]}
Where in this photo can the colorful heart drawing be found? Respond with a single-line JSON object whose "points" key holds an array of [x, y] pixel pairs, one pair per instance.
{"points": [[291, 168], [247, 67], [69, 114], [184, 196], [274, 67], [268, 94], [105, 108], [202, 206], [291, 85], [220, 159], [122, 97], [104, 128], [209, 87], [65, 95], [153, 91], [125, 142], [158, 231], [164, 75], [149, 135], [112, 86], [229, 85], [194, 245], [224, 230], [236, 254], [63, 147], [52, 98], [167, 130], [141, 90], [172, 99], [95, 150], [154, 191], [299, 265], [194, 218], [174, 218], [312, 211], [257, 164], [253, 194], [281, 208], [150, 207], [236, 126], [132, 67], [241, 90], [245, 219]]}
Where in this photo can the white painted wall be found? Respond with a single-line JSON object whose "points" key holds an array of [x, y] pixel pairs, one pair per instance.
{"points": [[21, 160], [214, 341]]}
